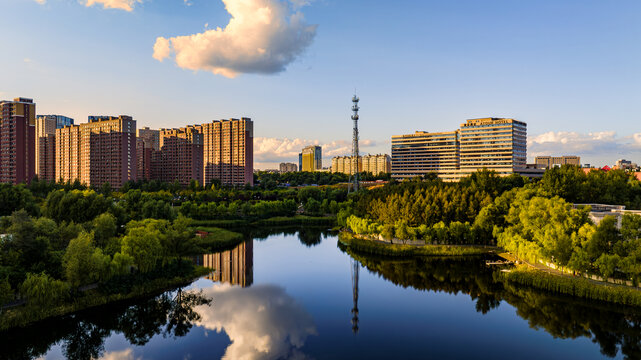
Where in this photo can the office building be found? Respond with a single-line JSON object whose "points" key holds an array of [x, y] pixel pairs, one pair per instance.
{"points": [[623, 164], [181, 156], [312, 158], [228, 147], [100, 151], [46, 126], [300, 161], [422, 152], [17, 140], [548, 162], [493, 143], [288, 167]]}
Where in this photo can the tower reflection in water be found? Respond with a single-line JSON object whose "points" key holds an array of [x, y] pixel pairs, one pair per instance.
{"points": [[355, 266], [235, 267]]}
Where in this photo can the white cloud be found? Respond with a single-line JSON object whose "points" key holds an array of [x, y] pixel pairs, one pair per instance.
{"points": [[127, 354], [262, 321], [127, 5], [41, 2], [603, 146], [262, 36], [276, 150]]}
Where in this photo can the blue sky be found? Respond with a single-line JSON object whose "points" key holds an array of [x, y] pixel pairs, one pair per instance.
{"points": [[570, 69]]}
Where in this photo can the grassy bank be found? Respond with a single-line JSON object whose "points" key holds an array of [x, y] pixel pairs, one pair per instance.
{"points": [[218, 238], [138, 286], [573, 286], [383, 249]]}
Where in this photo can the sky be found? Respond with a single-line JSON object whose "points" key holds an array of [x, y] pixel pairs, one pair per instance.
{"points": [[570, 69]]}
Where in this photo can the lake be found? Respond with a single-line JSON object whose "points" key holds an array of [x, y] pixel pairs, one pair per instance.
{"points": [[296, 294]]}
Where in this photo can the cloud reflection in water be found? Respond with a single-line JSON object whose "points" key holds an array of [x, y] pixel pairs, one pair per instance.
{"points": [[262, 321]]}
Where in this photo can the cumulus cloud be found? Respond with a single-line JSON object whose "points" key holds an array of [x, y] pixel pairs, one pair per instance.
{"points": [[262, 37], [276, 150], [595, 146], [127, 5], [127, 354], [262, 321]]}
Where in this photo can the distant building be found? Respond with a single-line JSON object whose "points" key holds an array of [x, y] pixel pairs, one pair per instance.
{"points": [[228, 147], [288, 167], [375, 164], [312, 158], [17, 140], [548, 162], [493, 143], [625, 164]]}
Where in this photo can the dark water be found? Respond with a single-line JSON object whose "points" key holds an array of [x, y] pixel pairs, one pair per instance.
{"points": [[295, 295]]}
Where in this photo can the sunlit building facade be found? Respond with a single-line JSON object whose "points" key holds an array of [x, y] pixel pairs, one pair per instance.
{"points": [[228, 147], [17, 140], [46, 126], [497, 144], [312, 158]]}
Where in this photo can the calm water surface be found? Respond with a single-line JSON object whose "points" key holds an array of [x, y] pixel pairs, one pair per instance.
{"points": [[298, 295]]}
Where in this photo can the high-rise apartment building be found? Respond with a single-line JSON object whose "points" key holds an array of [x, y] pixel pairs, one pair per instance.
{"points": [[67, 163], [181, 156], [548, 162], [46, 126], [288, 167], [17, 140], [150, 137], [493, 143], [312, 158], [144, 156], [228, 147], [422, 152], [100, 151]]}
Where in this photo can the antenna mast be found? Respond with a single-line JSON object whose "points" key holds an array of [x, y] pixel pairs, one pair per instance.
{"points": [[355, 167]]}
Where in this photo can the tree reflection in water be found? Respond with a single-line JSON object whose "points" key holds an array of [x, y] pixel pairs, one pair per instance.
{"points": [[615, 328], [83, 335]]}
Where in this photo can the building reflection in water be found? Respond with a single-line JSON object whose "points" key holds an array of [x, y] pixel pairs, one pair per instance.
{"points": [[355, 266], [235, 267]]}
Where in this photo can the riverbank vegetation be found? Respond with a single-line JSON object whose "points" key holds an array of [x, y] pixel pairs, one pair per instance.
{"points": [[531, 219], [61, 241], [397, 250]]}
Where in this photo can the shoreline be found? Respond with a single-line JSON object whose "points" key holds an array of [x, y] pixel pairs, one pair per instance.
{"points": [[25, 315]]}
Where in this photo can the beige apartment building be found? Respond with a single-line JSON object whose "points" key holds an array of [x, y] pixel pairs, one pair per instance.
{"points": [[287, 167], [228, 147], [375, 164], [548, 162], [493, 143]]}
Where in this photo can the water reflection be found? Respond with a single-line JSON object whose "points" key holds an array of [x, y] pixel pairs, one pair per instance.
{"points": [[615, 328], [309, 236], [235, 266], [262, 321], [83, 335]]}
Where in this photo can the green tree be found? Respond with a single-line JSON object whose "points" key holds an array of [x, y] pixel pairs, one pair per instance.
{"points": [[43, 291], [144, 246], [104, 228], [82, 263]]}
